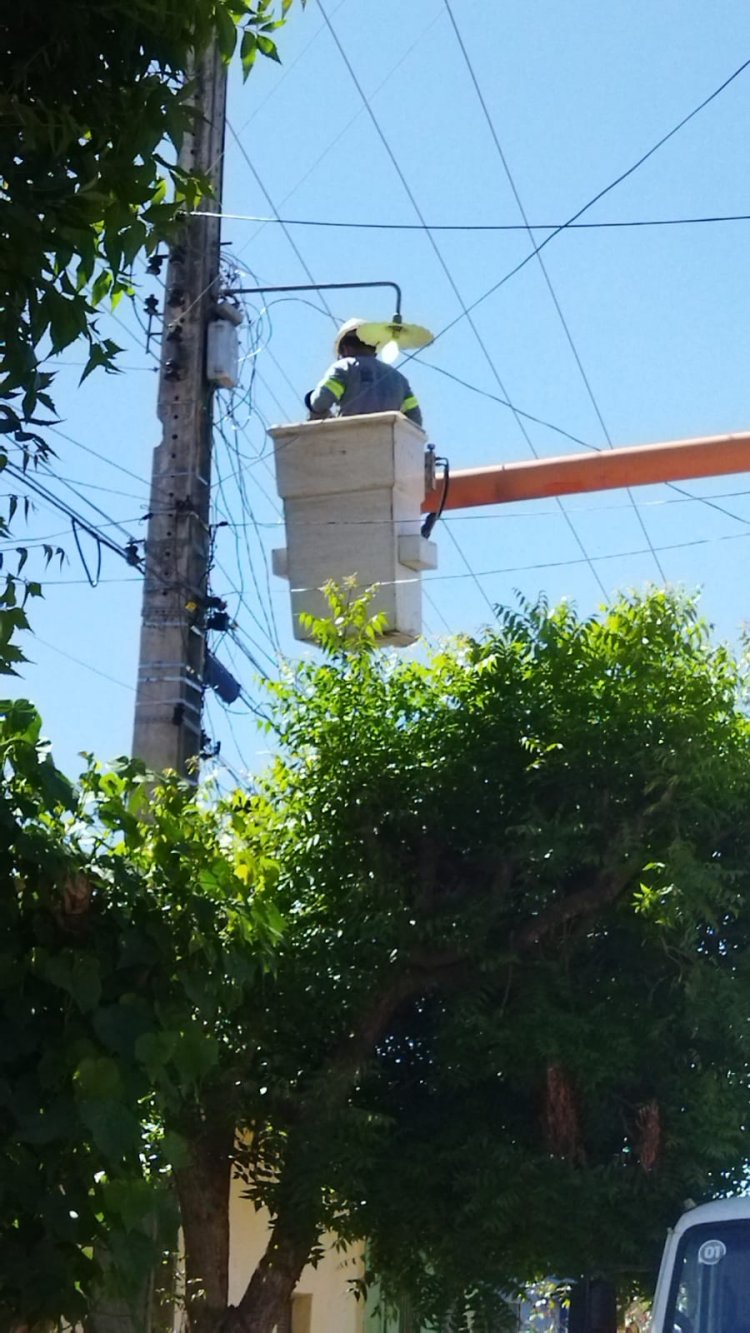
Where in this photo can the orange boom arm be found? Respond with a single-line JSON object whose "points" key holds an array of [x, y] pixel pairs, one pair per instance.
{"points": [[637, 465]]}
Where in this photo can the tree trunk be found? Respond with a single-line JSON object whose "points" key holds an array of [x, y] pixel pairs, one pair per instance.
{"points": [[266, 1300], [203, 1189]]}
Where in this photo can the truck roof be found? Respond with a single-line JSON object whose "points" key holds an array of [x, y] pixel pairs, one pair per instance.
{"points": [[719, 1210]]}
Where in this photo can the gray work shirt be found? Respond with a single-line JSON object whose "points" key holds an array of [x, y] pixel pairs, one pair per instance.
{"points": [[363, 384]]}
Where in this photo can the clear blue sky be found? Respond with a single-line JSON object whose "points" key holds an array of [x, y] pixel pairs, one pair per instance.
{"points": [[577, 91]]}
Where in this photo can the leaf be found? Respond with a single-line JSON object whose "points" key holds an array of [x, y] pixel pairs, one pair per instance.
{"points": [[226, 33], [77, 974], [113, 1126], [98, 1077], [132, 1201], [248, 51], [175, 1150], [119, 1026], [101, 354], [195, 1055], [101, 286], [268, 48], [155, 1049]]}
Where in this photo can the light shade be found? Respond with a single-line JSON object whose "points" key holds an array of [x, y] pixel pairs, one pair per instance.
{"points": [[407, 337]]}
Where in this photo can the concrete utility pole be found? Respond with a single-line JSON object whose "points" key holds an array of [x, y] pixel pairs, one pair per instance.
{"points": [[167, 731]]}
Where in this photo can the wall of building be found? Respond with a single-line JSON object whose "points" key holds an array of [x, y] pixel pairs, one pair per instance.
{"points": [[324, 1301]]}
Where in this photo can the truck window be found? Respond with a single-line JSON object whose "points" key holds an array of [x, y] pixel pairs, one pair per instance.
{"points": [[711, 1285]]}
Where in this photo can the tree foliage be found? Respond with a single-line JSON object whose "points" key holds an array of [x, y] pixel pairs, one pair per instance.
{"points": [[467, 973], [94, 101]]}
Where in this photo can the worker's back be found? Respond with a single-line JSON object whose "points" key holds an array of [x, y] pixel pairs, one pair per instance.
{"points": [[371, 386], [360, 385]]}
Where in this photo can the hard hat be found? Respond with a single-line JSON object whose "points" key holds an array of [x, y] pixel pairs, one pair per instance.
{"points": [[351, 326]]}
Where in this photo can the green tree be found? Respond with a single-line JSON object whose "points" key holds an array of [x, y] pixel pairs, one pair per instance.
{"points": [[94, 100], [466, 976]]}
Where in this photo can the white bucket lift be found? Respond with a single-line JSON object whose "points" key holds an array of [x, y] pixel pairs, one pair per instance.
{"points": [[353, 489]]}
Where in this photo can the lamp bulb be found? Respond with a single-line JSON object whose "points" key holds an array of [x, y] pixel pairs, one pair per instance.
{"points": [[390, 352]]}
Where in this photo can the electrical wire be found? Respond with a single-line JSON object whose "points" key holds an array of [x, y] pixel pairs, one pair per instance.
{"points": [[272, 206], [268, 612], [499, 513], [472, 573], [286, 72], [86, 665], [542, 265], [74, 491], [614, 224], [491, 514], [466, 310], [93, 579], [564, 226], [345, 128], [96, 454], [431, 602], [33, 484], [504, 402], [561, 564]]}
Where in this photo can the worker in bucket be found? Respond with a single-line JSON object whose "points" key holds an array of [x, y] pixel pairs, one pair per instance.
{"points": [[358, 383]]}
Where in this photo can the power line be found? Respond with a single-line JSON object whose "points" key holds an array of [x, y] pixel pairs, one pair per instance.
{"points": [[286, 72], [500, 513], [86, 665], [472, 573], [621, 224], [505, 402], [431, 602], [246, 507], [494, 514], [98, 535], [590, 204], [151, 370], [560, 564], [540, 260], [466, 310], [272, 206], [70, 487], [96, 454], [345, 129]]}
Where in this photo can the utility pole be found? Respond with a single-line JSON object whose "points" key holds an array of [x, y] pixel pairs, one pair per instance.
{"points": [[167, 731]]}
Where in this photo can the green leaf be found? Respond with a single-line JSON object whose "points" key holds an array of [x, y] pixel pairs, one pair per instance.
{"points": [[113, 1126], [131, 1201], [226, 32], [248, 51], [98, 1077], [77, 974], [155, 1049], [101, 286], [268, 48], [196, 1054], [175, 1150]]}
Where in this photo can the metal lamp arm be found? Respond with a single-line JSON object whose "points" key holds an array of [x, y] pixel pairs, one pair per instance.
{"points": [[319, 287]]}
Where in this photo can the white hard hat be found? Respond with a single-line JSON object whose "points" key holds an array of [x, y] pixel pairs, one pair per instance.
{"points": [[351, 326], [379, 334]]}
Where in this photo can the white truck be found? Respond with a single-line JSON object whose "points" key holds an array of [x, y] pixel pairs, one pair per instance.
{"points": [[704, 1279]]}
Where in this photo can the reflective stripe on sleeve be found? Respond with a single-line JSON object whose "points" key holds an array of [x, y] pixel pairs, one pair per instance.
{"points": [[409, 403], [335, 387]]}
